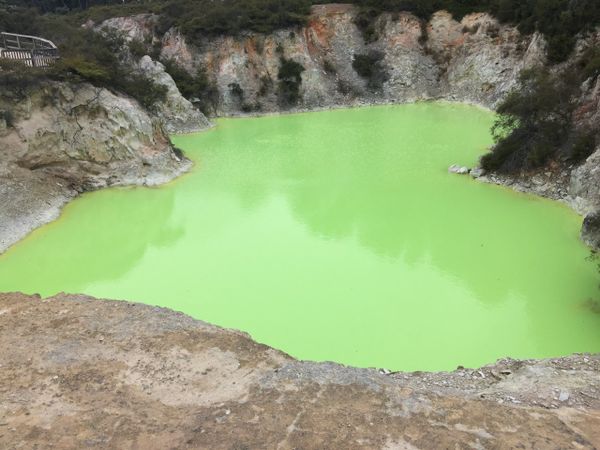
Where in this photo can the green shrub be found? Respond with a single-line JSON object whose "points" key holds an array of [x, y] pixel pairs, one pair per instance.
{"points": [[370, 67], [198, 89], [15, 78], [559, 20], [148, 93], [329, 68], [187, 84], [290, 79], [236, 91], [137, 48], [559, 47], [589, 64], [88, 70], [584, 146], [200, 18], [535, 123]]}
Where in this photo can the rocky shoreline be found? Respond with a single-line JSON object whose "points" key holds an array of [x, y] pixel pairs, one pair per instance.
{"points": [[66, 139], [113, 374]]}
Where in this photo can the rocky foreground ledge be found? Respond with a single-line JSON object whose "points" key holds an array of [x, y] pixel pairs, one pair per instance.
{"points": [[77, 372]]}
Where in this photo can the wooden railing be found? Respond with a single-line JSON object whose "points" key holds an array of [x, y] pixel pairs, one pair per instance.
{"points": [[29, 50]]}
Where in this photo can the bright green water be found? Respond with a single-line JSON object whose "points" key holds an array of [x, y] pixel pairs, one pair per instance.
{"points": [[335, 236]]}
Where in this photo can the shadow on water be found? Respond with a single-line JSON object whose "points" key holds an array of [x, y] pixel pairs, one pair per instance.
{"points": [[365, 192], [107, 241]]}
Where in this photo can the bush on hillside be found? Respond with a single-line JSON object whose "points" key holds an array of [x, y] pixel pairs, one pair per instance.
{"points": [[15, 78], [583, 145], [85, 56], [290, 79], [200, 18], [589, 63], [196, 88], [535, 123], [559, 20], [236, 91], [370, 67]]}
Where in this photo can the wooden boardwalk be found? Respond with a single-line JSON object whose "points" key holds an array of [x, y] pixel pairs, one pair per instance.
{"points": [[30, 50]]}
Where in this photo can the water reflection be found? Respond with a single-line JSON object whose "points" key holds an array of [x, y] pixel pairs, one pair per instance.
{"points": [[394, 201], [108, 241]]}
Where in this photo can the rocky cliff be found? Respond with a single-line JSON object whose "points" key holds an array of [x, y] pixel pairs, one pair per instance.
{"points": [[475, 60], [64, 139], [176, 114]]}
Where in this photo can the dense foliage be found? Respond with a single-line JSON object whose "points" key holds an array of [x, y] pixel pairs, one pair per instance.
{"points": [[197, 88], [370, 67], [85, 56], [290, 78], [559, 20], [535, 123], [198, 18]]}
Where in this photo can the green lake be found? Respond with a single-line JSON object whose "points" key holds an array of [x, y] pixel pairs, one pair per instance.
{"points": [[337, 236]]}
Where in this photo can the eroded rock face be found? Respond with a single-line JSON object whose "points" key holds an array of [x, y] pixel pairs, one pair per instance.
{"points": [[72, 138], [590, 231], [122, 375], [585, 179], [584, 186], [91, 138], [140, 27], [476, 60], [176, 113]]}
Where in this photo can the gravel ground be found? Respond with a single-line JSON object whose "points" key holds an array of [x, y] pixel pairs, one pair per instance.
{"points": [[77, 372]]}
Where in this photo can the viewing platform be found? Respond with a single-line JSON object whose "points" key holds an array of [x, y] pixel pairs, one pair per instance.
{"points": [[30, 50]]}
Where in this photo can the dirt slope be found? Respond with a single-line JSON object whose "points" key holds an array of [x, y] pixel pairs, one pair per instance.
{"points": [[83, 373]]}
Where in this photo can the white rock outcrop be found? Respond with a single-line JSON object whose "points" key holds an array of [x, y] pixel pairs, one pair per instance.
{"points": [[70, 138], [177, 114]]}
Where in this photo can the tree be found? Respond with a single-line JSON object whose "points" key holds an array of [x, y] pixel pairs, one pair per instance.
{"points": [[533, 121]]}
